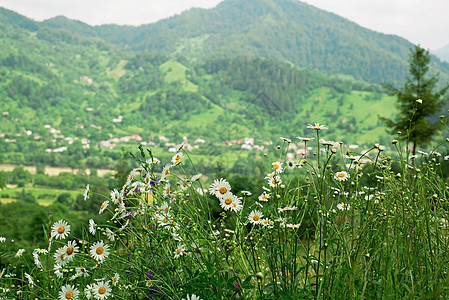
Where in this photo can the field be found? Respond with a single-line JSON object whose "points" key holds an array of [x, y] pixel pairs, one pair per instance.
{"points": [[44, 196], [55, 171]]}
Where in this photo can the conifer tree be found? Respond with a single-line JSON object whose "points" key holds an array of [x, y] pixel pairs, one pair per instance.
{"points": [[419, 101]]}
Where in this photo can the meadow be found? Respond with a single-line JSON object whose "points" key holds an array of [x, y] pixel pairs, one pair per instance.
{"points": [[333, 225]]}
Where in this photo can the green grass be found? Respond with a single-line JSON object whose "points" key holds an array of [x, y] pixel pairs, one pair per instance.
{"points": [[176, 72], [43, 195]]}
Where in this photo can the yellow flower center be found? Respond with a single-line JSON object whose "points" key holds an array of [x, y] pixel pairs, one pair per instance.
{"points": [[69, 250], [275, 166], [287, 208], [99, 250], [149, 283], [131, 177], [62, 257], [83, 270], [167, 171], [264, 197], [273, 181], [234, 204], [61, 229], [341, 175], [69, 295], [178, 157], [101, 290], [115, 279], [178, 250], [223, 190], [167, 190], [166, 210], [120, 200], [165, 220], [173, 222], [102, 205], [256, 218], [228, 201]]}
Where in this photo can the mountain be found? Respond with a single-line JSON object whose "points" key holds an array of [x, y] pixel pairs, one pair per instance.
{"points": [[76, 93], [283, 30], [443, 53]]}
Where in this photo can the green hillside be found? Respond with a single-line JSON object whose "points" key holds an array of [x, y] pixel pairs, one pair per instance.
{"points": [[283, 30], [73, 99]]}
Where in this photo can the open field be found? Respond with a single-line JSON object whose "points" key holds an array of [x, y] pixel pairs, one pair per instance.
{"points": [[44, 196], [55, 171]]}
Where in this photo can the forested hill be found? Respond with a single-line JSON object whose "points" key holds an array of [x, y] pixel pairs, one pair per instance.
{"points": [[283, 30], [63, 91]]}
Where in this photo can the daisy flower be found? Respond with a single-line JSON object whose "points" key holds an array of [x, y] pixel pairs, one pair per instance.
{"points": [[131, 176], [166, 191], [81, 272], [287, 208], [86, 192], [266, 222], [70, 250], [196, 177], [110, 234], [177, 158], [326, 142], [30, 279], [2, 239], [103, 206], [185, 184], [275, 181], [181, 146], [165, 171], [343, 206], [264, 197], [219, 187], [304, 139], [317, 126], [60, 256], [114, 196], [115, 279], [88, 291], [341, 176], [290, 164], [165, 208], [99, 251], [60, 229], [293, 226], [179, 251], [37, 262], [101, 290], [236, 204], [68, 292], [92, 226], [20, 252], [255, 217], [277, 166], [229, 201], [58, 270]]}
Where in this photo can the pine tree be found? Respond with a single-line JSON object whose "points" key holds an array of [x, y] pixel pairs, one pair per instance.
{"points": [[419, 101]]}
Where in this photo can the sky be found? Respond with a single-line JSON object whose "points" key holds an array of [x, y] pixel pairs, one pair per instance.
{"points": [[424, 22]]}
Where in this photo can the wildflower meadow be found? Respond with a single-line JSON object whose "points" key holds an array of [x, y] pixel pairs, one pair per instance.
{"points": [[334, 224]]}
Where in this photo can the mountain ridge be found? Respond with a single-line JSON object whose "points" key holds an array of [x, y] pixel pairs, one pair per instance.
{"points": [[284, 30]]}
